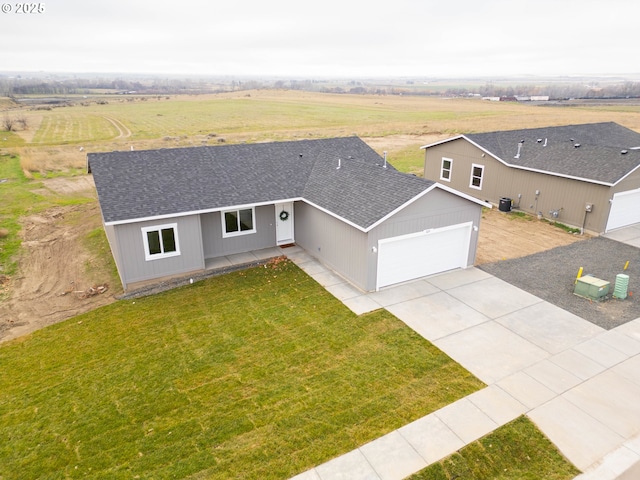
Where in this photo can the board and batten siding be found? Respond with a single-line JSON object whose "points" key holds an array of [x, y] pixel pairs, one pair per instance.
{"points": [[436, 209], [134, 268], [566, 196], [340, 246], [215, 245]]}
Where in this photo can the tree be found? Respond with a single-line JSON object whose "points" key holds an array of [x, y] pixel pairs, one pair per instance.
{"points": [[8, 123]]}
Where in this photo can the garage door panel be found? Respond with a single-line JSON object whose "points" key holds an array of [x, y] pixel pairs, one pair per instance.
{"points": [[625, 210], [425, 253]]}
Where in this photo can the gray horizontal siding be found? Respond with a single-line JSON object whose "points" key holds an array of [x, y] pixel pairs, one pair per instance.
{"points": [[436, 209], [134, 268], [338, 245], [215, 245]]}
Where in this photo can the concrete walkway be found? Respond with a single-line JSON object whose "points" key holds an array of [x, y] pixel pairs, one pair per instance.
{"points": [[578, 382]]}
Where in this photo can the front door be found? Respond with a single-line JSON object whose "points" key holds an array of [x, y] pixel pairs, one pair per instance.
{"points": [[284, 223]]}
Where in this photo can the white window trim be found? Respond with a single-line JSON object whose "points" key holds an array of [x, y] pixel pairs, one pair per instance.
{"points": [[226, 234], [473, 167], [157, 228], [442, 169]]}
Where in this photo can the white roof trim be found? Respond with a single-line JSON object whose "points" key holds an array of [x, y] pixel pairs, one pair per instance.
{"points": [[463, 195], [441, 142], [528, 169], [198, 212], [422, 194], [328, 212], [334, 215]]}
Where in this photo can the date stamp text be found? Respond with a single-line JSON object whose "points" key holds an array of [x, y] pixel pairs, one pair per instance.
{"points": [[23, 8]]}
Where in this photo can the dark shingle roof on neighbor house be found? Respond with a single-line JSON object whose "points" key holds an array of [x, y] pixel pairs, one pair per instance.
{"points": [[157, 183], [591, 152]]}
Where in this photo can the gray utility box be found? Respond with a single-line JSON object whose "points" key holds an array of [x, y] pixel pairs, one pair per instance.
{"points": [[592, 288]]}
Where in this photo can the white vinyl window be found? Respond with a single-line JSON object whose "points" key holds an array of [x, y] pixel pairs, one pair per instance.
{"points": [[238, 222], [161, 241], [477, 172], [445, 170]]}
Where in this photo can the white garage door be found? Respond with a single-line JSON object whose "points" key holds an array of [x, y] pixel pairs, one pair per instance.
{"points": [[625, 209], [420, 254]]}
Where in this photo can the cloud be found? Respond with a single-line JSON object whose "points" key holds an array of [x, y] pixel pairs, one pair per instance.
{"points": [[404, 37]]}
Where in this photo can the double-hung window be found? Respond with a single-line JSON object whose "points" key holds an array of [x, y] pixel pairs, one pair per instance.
{"points": [[161, 241], [477, 172], [445, 170], [238, 222]]}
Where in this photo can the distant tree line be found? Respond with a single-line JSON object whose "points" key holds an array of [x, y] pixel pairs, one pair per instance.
{"points": [[18, 86], [557, 91]]}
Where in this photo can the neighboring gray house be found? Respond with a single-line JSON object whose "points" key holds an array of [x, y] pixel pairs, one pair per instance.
{"points": [[586, 176], [168, 212]]}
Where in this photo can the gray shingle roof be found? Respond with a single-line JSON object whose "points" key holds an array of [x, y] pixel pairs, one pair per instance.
{"points": [[598, 157], [152, 183]]}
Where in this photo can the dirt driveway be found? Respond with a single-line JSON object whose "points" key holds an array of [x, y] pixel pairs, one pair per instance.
{"points": [[505, 236], [58, 265]]}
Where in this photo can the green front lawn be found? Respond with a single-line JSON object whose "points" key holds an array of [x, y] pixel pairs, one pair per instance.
{"points": [[256, 374], [516, 451]]}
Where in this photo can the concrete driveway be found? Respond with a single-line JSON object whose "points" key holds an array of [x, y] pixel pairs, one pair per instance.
{"points": [[578, 382], [629, 235]]}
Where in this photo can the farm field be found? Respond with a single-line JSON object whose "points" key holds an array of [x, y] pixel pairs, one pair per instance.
{"points": [[397, 124]]}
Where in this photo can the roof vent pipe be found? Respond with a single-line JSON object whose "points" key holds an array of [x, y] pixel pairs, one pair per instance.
{"points": [[385, 160], [339, 164], [545, 143], [519, 149]]}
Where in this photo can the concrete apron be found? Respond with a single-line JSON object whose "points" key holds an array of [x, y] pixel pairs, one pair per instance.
{"points": [[578, 382]]}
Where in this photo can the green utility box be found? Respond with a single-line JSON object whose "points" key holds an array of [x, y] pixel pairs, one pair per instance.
{"points": [[592, 288]]}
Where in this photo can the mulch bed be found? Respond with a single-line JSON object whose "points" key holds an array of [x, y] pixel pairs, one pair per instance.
{"points": [[551, 276]]}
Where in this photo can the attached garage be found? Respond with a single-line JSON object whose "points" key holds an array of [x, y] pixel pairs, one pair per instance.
{"points": [[416, 255], [625, 209]]}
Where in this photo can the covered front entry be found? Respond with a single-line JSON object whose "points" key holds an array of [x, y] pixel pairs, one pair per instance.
{"points": [[416, 255], [625, 210], [284, 223]]}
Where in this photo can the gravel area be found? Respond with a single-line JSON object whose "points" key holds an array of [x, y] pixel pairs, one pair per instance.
{"points": [[551, 276]]}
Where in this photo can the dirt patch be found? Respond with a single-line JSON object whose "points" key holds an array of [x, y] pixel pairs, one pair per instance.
{"points": [[56, 270], [66, 186], [506, 235], [398, 142]]}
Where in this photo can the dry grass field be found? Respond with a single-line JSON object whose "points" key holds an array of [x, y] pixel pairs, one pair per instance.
{"points": [[393, 123]]}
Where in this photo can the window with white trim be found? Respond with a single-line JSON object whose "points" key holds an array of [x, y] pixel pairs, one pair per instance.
{"points": [[477, 172], [161, 241], [238, 222], [445, 170]]}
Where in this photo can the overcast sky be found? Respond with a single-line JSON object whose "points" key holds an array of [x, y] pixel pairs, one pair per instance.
{"points": [[327, 38]]}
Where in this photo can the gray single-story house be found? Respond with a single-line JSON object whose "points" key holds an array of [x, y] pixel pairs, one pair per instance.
{"points": [[168, 212], [586, 176]]}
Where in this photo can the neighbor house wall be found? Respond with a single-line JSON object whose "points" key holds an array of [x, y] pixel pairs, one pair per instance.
{"points": [[568, 197], [135, 268], [340, 246], [215, 245], [436, 209]]}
